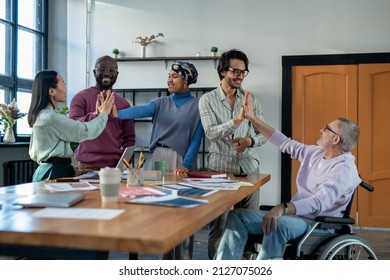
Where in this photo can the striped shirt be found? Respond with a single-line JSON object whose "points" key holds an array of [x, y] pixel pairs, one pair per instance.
{"points": [[217, 120]]}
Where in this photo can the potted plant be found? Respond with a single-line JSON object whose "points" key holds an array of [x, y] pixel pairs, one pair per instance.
{"points": [[144, 41], [115, 52], [214, 51]]}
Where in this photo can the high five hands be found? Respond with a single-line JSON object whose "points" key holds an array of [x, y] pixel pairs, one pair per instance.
{"points": [[105, 102], [246, 111]]}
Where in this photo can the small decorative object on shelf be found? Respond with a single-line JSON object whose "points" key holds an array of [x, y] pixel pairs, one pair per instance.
{"points": [[8, 115], [214, 51], [115, 52], [144, 41]]}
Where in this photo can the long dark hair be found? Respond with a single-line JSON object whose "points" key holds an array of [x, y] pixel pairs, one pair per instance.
{"points": [[40, 98]]}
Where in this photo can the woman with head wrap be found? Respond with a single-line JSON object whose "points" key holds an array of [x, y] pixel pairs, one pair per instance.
{"points": [[176, 133], [177, 130]]}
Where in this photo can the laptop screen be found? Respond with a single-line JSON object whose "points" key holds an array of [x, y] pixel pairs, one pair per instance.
{"points": [[127, 154]]}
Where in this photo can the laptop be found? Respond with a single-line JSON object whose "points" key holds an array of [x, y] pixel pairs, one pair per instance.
{"points": [[50, 200], [93, 176]]}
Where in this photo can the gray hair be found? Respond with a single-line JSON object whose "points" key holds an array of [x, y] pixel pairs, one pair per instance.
{"points": [[349, 132]]}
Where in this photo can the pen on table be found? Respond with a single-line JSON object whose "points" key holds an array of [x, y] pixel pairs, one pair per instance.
{"points": [[126, 163]]}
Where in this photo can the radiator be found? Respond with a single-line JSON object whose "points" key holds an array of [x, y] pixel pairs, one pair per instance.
{"points": [[18, 171]]}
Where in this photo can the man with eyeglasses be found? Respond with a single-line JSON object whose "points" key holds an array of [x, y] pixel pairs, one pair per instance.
{"points": [[326, 180], [232, 137], [106, 149]]}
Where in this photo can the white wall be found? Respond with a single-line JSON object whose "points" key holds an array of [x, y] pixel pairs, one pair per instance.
{"points": [[265, 30]]}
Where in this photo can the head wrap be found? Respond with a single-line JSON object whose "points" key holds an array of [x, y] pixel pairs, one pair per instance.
{"points": [[186, 70]]}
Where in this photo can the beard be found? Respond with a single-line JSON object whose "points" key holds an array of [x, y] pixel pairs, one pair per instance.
{"points": [[105, 83]]}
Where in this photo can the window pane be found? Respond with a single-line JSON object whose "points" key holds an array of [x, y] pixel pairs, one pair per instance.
{"points": [[2, 96], [5, 9], [29, 58], [2, 9], [5, 49], [30, 14], [23, 100]]}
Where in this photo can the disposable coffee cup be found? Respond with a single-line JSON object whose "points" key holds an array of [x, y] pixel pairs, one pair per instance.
{"points": [[110, 181], [162, 166]]}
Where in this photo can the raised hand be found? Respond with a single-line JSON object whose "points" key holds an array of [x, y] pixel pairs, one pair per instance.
{"points": [[105, 102], [248, 106], [114, 112]]}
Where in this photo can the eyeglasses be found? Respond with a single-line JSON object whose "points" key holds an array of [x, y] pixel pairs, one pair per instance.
{"points": [[238, 72], [109, 70], [327, 127]]}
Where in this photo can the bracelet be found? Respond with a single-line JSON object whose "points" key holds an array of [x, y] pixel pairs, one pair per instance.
{"points": [[285, 206], [253, 142]]}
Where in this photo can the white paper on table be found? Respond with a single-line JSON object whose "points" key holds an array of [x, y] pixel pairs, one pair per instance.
{"points": [[78, 213], [69, 187], [208, 181], [232, 186]]}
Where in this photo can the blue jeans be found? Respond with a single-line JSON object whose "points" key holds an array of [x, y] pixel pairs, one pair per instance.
{"points": [[241, 222], [217, 226]]}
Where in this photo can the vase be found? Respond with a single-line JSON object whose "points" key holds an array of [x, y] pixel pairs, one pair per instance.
{"points": [[143, 51], [9, 136]]}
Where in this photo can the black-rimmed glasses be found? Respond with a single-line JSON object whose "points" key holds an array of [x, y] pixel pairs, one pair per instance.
{"points": [[238, 72], [109, 70], [327, 127]]}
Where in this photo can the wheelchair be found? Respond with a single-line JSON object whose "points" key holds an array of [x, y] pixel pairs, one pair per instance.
{"points": [[340, 244]]}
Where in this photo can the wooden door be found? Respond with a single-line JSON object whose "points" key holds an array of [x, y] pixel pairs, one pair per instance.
{"points": [[320, 94], [373, 148], [362, 94]]}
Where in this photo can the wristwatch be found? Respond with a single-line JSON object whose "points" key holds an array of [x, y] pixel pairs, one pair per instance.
{"points": [[285, 206]]}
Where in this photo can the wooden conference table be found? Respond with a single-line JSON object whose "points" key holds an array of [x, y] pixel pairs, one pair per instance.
{"points": [[140, 229]]}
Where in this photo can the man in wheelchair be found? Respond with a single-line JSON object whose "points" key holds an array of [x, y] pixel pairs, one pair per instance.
{"points": [[326, 181]]}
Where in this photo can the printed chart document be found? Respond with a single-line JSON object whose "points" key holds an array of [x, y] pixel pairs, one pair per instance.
{"points": [[79, 213], [139, 192], [69, 187], [170, 200], [184, 189]]}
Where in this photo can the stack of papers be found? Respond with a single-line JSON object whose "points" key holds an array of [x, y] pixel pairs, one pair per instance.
{"points": [[93, 176], [216, 184], [69, 187]]}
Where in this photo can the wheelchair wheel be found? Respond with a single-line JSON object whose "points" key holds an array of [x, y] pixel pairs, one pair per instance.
{"points": [[347, 247]]}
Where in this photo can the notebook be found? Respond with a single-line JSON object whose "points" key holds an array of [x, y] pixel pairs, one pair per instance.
{"points": [[94, 175], [50, 200]]}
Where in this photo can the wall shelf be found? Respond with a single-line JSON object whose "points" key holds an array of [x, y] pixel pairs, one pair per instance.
{"points": [[168, 58]]}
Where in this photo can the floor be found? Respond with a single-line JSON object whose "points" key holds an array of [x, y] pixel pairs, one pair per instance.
{"points": [[378, 239]]}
